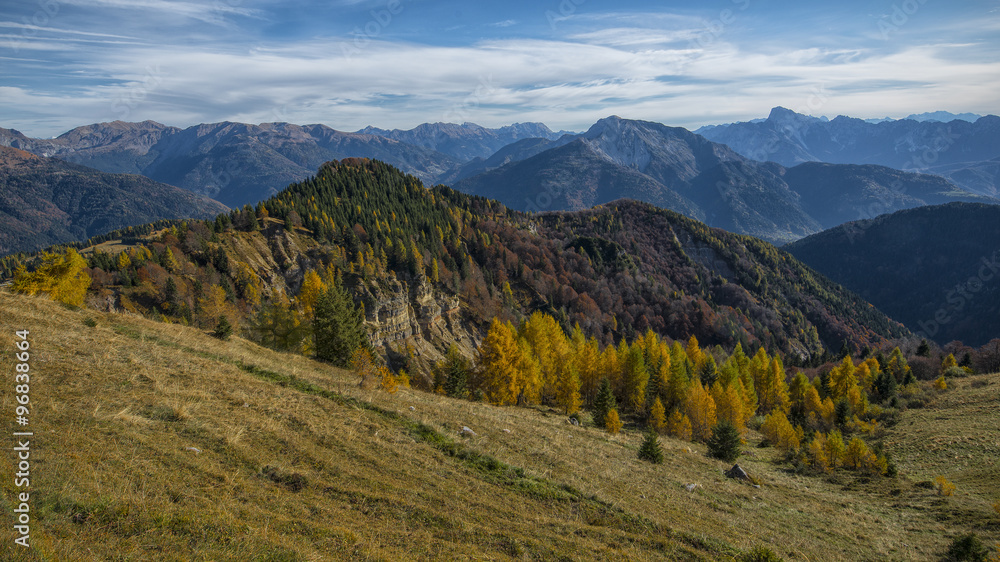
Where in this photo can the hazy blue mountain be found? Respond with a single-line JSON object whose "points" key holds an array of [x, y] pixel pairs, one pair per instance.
{"points": [[677, 169], [935, 268], [926, 145], [235, 163], [466, 141], [46, 201]]}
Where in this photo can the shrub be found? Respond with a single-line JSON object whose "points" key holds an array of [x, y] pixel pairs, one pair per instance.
{"points": [[650, 449], [941, 384], [955, 372], [725, 442], [90, 322], [967, 548], [943, 486]]}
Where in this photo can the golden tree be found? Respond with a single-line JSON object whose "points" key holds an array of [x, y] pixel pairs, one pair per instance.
{"points": [[612, 422], [679, 425], [498, 364], [842, 379], [700, 409], [657, 415], [312, 287], [780, 432], [59, 275]]}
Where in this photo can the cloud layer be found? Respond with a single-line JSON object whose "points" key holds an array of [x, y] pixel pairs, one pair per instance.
{"points": [[393, 64]]}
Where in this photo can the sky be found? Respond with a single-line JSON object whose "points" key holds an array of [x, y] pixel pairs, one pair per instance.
{"points": [[567, 63]]}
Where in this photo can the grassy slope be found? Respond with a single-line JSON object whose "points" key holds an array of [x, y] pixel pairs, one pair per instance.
{"points": [[388, 476]]}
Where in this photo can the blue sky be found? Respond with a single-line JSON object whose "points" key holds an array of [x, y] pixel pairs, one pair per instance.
{"points": [[567, 63]]}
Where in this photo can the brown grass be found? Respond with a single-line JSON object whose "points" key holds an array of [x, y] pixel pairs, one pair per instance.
{"points": [[158, 442]]}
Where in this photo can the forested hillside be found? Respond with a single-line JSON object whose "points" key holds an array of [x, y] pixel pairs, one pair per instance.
{"points": [[438, 265], [45, 201], [936, 269]]}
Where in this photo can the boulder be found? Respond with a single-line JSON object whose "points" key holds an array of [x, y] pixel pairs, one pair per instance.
{"points": [[738, 473]]}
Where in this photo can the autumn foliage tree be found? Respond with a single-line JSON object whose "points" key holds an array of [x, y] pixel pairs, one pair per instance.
{"points": [[59, 275]]}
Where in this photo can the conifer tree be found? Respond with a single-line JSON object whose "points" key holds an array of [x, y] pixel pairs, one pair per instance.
{"points": [[700, 410], [613, 423], [657, 415], [650, 449], [337, 326], [498, 374], [725, 441], [679, 425], [455, 369], [842, 379], [603, 403], [635, 379]]}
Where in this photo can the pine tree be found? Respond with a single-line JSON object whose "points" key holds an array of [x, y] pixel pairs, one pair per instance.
{"points": [[725, 441], [223, 329], [924, 349], [650, 449], [603, 403], [455, 369], [337, 326]]}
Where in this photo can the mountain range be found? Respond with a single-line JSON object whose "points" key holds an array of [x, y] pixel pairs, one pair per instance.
{"points": [[529, 167], [964, 152], [46, 201], [234, 163], [467, 141], [677, 169]]}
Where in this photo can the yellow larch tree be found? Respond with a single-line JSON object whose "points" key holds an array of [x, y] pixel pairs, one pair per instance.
{"points": [[657, 415], [612, 423], [700, 410], [679, 426], [498, 364], [729, 405], [59, 275], [842, 379], [312, 287]]}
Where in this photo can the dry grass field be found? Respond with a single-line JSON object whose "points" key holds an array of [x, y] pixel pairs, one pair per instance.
{"points": [[158, 442]]}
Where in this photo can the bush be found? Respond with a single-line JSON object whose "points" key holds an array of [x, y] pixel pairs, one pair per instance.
{"points": [[759, 554], [90, 322], [650, 449], [955, 372], [967, 548], [943, 486], [725, 442]]}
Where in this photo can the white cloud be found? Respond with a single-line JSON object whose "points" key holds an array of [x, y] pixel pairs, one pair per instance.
{"points": [[630, 70]]}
